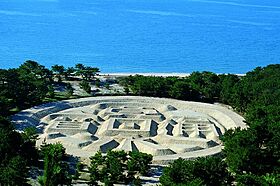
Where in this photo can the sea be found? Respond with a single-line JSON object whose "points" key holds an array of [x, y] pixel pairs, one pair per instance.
{"points": [[147, 36]]}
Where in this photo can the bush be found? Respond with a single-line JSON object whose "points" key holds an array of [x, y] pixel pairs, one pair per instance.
{"points": [[69, 90], [210, 171], [139, 162], [118, 167], [85, 86], [17, 153], [56, 171]]}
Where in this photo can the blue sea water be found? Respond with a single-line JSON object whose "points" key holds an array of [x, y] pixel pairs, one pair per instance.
{"points": [[222, 36]]}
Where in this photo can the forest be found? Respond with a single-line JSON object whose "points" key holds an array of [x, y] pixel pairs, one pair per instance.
{"points": [[250, 156]]}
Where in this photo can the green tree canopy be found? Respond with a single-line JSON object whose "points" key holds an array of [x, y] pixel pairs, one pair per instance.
{"points": [[87, 72], [118, 167], [56, 171], [16, 155], [210, 171]]}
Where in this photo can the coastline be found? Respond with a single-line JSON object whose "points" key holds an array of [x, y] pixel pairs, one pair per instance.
{"points": [[157, 74], [124, 74]]}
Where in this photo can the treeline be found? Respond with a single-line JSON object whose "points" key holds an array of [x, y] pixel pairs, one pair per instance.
{"points": [[31, 83], [256, 87], [199, 86], [86, 72]]}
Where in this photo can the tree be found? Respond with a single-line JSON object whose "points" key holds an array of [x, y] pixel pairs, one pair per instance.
{"points": [[56, 171], [95, 169], [86, 72], [85, 86], [241, 151], [108, 169], [34, 68], [50, 91], [115, 167], [97, 83], [89, 72], [5, 123], [254, 150], [182, 90], [5, 106], [13, 160], [202, 171], [59, 70], [79, 66], [149, 86], [28, 85], [31, 89], [10, 143], [178, 172], [252, 179], [14, 172], [69, 71], [28, 146], [118, 167], [229, 85], [79, 167], [69, 90], [207, 83], [139, 162]]}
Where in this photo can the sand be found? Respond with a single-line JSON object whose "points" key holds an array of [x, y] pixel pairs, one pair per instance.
{"points": [[172, 74], [166, 128], [145, 74]]}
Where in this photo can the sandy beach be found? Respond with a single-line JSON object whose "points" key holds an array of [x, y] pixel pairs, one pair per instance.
{"points": [[172, 74], [145, 74]]}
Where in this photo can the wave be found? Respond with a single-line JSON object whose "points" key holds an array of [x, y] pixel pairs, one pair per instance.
{"points": [[17, 13], [250, 23], [161, 13], [167, 13], [51, 1], [87, 12], [236, 4], [20, 13]]}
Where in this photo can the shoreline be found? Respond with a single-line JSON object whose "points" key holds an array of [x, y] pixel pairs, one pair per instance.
{"points": [[157, 74]]}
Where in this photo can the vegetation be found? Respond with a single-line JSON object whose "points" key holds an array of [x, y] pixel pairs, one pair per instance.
{"points": [[69, 90], [55, 169], [118, 167], [87, 73], [17, 153], [20, 88], [250, 157], [210, 171], [23, 87], [85, 86], [199, 86], [59, 70], [253, 154], [32, 84]]}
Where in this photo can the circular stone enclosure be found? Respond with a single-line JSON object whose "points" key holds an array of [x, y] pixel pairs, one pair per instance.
{"points": [[166, 128]]}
